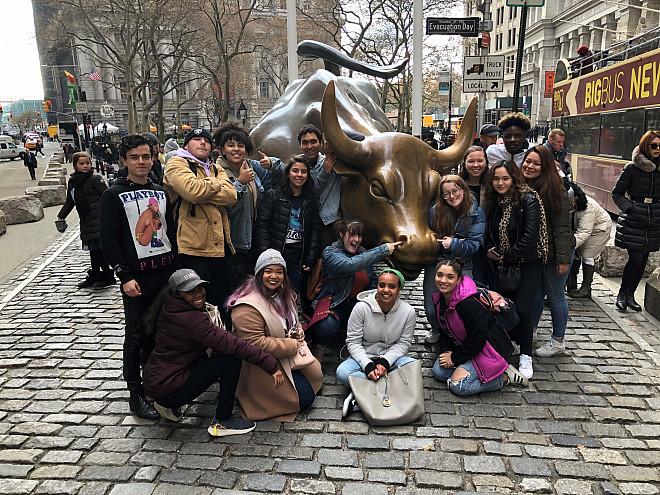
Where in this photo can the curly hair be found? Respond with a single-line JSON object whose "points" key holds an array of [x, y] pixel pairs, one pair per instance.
{"points": [[445, 217], [309, 128], [308, 187], [549, 185], [463, 173], [231, 131], [130, 142], [645, 142], [518, 119], [517, 193]]}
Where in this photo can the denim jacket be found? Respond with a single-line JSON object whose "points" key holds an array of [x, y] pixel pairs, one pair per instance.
{"points": [[328, 186], [339, 270], [240, 215], [465, 248]]}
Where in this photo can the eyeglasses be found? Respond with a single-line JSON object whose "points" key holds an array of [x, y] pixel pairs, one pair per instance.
{"points": [[654, 146], [455, 192]]}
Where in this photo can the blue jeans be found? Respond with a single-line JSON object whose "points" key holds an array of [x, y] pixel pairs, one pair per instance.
{"points": [[326, 329], [553, 286], [429, 290], [350, 367], [468, 385]]}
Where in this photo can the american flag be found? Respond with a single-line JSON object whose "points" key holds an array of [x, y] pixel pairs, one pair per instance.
{"points": [[94, 75]]}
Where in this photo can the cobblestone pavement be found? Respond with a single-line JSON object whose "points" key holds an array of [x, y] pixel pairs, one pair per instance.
{"points": [[588, 424]]}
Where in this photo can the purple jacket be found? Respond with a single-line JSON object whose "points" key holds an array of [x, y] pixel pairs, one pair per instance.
{"points": [[182, 336], [488, 362]]}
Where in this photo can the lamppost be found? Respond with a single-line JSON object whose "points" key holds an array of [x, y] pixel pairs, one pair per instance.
{"points": [[105, 132], [242, 112]]}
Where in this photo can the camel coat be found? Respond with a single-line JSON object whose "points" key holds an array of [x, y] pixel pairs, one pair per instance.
{"points": [[254, 321]]}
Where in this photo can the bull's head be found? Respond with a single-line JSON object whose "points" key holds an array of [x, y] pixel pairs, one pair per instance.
{"points": [[389, 181]]}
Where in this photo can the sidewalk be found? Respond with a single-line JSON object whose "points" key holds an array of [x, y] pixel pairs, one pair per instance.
{"points": [[588, 424]]}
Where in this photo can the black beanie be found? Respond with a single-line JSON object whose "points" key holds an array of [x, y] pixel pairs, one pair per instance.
{"points": [[199, 132]]}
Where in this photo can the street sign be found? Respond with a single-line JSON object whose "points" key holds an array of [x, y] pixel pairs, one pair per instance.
{"points": [[525, 3], [485, 40], [549, 83], [81, 107], [483, 74], [466, 26], [443, 83]]}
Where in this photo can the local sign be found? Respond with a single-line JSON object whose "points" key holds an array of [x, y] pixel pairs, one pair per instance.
{"points": [[525, 3], [483, 74], [467, 26]]}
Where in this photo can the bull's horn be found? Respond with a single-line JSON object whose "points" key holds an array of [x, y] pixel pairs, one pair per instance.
{"points": [[451, 156], [344, 147]]}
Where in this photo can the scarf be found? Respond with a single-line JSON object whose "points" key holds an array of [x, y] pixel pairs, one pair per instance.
{"points": [[506, 204], [76, 184], [185, 154]]}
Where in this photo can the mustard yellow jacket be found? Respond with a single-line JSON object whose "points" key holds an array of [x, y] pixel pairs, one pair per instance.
{"points": [[203, 226]]}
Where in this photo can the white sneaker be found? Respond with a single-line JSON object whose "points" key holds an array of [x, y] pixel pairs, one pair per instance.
{"points": [[551, 348], [525, 366], [350, 405], [431, 337]]}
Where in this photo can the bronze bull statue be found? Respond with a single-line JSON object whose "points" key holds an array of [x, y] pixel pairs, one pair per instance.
{"points": [[389, 179]]}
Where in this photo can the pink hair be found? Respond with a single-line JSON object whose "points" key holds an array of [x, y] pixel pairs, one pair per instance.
{"points": [[254, 284]]}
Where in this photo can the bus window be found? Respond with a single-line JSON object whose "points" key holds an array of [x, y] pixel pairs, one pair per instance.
{"points": [[611, 134], [652, 120], [634, 131], [581, 134]]}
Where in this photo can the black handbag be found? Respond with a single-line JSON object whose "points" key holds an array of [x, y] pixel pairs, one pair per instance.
{"points": [[507, 277]]}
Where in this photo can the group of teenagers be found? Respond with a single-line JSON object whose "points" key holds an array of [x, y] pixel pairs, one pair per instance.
{"points": [[213, 265]]}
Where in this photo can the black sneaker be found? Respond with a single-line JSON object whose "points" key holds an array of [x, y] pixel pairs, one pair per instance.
{"points": [[173, 414], [232, 426], [90, 280], [142, 408], [104, 279]]}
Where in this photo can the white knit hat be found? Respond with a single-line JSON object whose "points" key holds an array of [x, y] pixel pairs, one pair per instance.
{"points": [[269, 257]]}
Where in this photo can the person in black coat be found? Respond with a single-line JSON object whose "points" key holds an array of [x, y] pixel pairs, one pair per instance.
{"points": [[289, 221], [84, 192], [30, 161], [637, 194]]}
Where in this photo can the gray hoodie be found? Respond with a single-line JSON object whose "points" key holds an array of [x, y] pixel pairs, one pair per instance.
{"points": [[171, 146], [372, 333]]}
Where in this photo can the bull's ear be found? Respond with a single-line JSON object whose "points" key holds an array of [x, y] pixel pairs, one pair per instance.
{"points": [[342, 168]]}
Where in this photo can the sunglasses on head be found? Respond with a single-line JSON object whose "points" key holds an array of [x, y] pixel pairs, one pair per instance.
{"points": [[654, 146]]}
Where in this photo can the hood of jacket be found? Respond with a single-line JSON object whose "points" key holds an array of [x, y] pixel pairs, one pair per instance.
{"points": [[465, 288], [171, 145], [641, 161], [369, 296]]}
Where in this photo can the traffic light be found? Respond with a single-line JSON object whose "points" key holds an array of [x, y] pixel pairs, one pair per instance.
{"points": [[38, 113], [50, 106], [45, 105], [0, 108], [11, 115]]}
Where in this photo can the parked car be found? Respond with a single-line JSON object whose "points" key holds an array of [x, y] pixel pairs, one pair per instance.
{"points": [[10, 150]]}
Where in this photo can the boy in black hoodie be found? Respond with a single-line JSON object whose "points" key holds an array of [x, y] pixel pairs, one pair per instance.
{"points": [[143, 267]]}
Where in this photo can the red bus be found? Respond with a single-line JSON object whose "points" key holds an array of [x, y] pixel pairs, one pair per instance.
{"points": [[604, 113]]}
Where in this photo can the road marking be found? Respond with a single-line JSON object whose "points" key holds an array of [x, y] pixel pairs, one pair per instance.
{"points": [[37, 271]]}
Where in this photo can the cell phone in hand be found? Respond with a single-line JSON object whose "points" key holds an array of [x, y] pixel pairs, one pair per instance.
{"points": [[459, 236]]}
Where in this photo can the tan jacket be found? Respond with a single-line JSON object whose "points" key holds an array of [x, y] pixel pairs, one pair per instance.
{"points": [[254, 321], [205, 233]]}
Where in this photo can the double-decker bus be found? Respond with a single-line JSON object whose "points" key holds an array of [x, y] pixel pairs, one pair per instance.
{"points": [[605, 113]]}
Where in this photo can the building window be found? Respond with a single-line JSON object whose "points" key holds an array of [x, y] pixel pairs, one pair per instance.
{"points": [[514, 12], [264, 89], [510, 64]]}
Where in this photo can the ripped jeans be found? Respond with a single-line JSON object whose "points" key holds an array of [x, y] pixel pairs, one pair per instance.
{"points": [[470, 384]]}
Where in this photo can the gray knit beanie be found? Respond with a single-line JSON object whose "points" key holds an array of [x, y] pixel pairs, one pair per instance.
{"points": [[269, 257]]}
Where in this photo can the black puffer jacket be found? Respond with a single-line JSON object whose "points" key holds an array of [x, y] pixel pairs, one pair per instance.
{"points": [[90, 226], [273, 222], [637, 194], [523, 230]]}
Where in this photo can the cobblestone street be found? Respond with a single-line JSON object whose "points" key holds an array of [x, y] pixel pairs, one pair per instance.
{"points": [[589, 423]]}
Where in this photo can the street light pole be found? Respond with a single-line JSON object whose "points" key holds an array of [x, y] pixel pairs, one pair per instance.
{"points": [[519, 56]]}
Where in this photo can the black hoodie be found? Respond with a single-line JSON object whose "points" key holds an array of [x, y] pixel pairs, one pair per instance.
{"points": [[134, 231]]}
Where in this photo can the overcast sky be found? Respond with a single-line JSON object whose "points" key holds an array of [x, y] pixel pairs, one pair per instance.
{"points": [[20, 76]]}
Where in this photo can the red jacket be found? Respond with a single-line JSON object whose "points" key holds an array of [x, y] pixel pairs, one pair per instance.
{"points": [[182, 336]]}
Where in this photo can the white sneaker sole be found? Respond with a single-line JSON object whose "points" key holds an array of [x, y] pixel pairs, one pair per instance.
{"points": [[218, 431], [166, 413]]}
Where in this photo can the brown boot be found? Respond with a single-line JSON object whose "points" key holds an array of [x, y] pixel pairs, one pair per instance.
{"points": [[587, 279]]}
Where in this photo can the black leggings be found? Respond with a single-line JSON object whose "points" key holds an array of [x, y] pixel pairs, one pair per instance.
{"points": [[634, 270], [304, 388], [98, 261], [219, 367]]}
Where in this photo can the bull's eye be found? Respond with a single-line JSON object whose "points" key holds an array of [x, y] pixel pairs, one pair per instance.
{"points": [[378, 190]]}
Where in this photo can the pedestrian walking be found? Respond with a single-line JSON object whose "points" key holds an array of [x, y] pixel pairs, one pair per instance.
{"points": [[39, 148], [30, 161], [84, 192], [179, 369], [637, 194], [143, 268]]}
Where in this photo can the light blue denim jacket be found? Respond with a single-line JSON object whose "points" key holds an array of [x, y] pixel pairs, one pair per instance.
{"points": [[465, 248], [339, 270], [328, 186], [239, 214]]}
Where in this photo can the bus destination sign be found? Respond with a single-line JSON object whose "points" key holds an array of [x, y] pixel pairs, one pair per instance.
{"points": [[634, 83], [466, 26]]}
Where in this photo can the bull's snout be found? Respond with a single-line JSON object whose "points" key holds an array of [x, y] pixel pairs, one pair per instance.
{"points": [[415, 252]]}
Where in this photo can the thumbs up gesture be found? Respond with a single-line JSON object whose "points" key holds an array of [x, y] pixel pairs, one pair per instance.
{"points": [[264, 161], [246, 174]]}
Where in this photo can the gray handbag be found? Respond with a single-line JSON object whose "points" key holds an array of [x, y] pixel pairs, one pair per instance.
{"points": [[396, 399]]}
